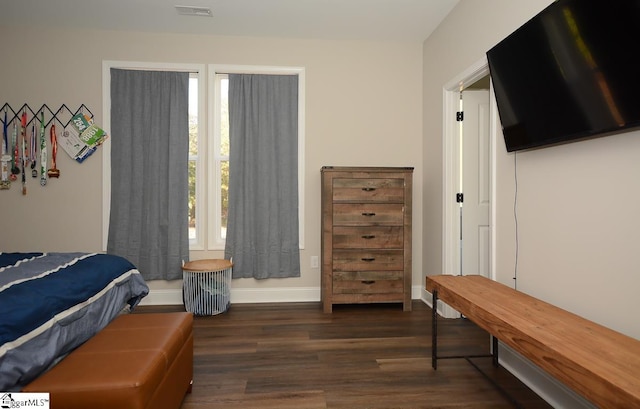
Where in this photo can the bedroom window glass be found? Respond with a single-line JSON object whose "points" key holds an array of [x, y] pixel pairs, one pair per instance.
{"points": [[193, 159], [220, 156]]}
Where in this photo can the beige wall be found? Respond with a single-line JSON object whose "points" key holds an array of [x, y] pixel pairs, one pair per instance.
{"points": [[363, 107], [577, 203]]}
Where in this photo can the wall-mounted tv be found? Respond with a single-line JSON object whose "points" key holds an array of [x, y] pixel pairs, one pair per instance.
{"points": [[569, 73]]}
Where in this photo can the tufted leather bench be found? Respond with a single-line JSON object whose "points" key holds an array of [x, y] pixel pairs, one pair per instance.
{"points": [[139, 361]]}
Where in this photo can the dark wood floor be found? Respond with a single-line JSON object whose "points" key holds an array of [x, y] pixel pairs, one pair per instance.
{"points": [[293, 356]]}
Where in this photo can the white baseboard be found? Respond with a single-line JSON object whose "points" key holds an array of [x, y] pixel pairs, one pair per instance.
{"points": [[241, 295], [416, 292], [254, 295], [547, 387], [443, 309], [163, 297], [275, 295]]}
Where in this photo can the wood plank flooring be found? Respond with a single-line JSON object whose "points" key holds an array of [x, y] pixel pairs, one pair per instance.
{"points": [[294, 356]]}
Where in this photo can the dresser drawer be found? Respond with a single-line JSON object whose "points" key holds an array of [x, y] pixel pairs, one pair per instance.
{"points": [[369, 237], [362, 260], [368, 282], [368, 190], [368, 214]]}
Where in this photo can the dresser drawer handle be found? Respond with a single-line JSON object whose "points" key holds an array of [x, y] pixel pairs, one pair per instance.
{"points": [[368, 236], [368, 282], [368, 214], [368, 189], [368, 259]]}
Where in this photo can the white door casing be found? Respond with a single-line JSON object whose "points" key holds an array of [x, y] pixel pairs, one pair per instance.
{"points": [[451, 174]]}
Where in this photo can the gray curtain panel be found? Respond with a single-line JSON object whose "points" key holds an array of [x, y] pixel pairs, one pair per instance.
{"points": [[148, 223], [262, 226]]}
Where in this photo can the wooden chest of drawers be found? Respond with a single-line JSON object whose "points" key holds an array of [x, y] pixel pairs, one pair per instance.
{"points": [[366, 235]]}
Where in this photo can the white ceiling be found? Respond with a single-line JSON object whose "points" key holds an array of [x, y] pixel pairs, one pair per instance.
{"points": [[375, 20]]}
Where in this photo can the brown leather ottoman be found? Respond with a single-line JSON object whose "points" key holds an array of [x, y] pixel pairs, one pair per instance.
{"points": [[139, 361]]}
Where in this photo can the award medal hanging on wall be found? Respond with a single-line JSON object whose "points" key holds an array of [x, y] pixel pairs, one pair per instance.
{"points": [[5, 183], [43, 153], [15, 170], [33, 149], [23, 137], [53, 172]]}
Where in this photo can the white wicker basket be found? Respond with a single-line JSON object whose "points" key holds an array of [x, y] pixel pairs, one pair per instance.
{"points": [[206, 287]]}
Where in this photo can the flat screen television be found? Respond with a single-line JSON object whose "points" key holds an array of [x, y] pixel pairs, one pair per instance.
{"points": [[569, 73]]}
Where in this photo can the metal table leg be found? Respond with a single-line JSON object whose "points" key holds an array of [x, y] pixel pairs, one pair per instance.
{"points": [[434, 330]]}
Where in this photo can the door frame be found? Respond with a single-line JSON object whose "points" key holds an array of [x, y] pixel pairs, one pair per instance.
{"points": [[451, 174]]}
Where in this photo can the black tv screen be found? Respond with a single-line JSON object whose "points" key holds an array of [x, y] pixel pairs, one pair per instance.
{"points": [[569, 73]]}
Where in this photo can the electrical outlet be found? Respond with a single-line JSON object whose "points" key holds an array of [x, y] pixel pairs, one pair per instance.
{"points": [[314, 262]]}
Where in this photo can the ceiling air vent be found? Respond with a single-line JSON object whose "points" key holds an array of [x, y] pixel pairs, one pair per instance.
{"points": [[194, 11]]}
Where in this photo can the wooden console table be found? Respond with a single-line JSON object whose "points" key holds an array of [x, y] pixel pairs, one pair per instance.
{"points": [[601, 364]]}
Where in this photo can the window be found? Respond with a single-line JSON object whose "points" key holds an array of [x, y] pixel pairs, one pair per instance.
{"points": [[193, 157], [197, 161], [219, 193], [208, 146]]}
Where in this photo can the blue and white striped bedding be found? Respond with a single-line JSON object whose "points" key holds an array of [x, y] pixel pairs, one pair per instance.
{"points": [[50, 303]]}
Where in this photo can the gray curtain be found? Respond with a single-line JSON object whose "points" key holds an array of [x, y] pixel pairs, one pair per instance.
{"points": [[262, 225], [148, 223]]}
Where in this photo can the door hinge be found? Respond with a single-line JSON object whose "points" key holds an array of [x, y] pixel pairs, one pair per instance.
{"points": [[459, 197], [459, 116]]}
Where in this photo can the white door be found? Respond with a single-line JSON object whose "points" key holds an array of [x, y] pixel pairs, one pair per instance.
{"points": [[475, 159]]}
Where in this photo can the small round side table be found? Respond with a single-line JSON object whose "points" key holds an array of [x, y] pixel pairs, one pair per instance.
{"points": [[206, 286]]}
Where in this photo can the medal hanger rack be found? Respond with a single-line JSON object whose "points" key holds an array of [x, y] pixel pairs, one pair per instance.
{"points": [[29, 149], [62, 115]]}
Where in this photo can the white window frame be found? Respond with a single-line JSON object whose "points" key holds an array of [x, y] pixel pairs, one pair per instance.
{"points": [[215, 240], [200, 70]]}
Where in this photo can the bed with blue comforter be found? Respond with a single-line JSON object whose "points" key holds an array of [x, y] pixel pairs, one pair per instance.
{"points": [[50, 303]]}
